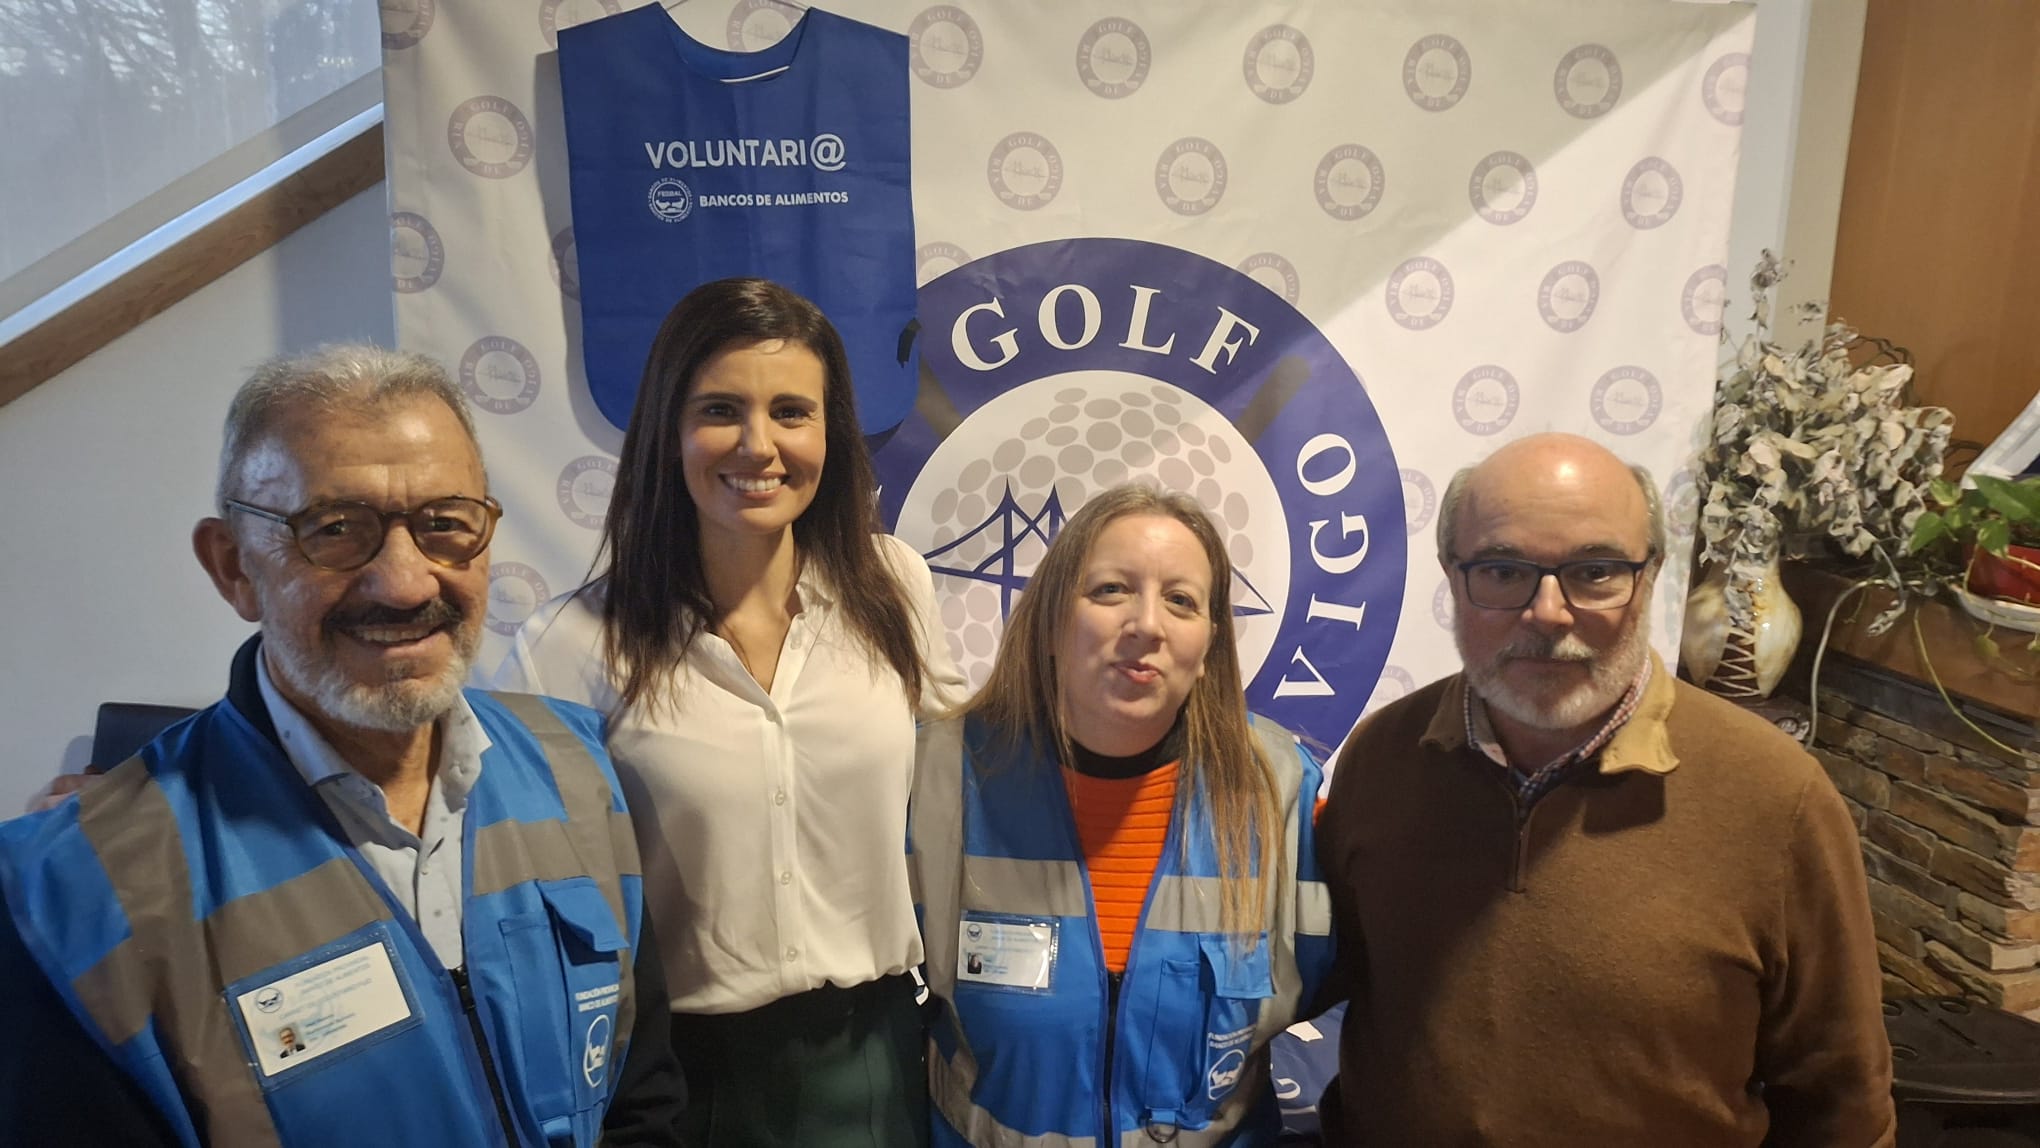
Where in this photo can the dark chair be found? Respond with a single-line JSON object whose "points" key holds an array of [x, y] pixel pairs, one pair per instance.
{"points": [[1964, 1075], [123, 728]]}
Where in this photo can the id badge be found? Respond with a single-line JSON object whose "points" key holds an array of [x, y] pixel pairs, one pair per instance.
{"points": [[1015, 953], [322, 1002]]}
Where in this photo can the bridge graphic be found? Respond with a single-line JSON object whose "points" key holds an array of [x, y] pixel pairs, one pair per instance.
{"points": [[1008, 526]]}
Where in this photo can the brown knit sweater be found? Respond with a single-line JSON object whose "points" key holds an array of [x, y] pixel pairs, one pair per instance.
{"points": [[1675, 950]]}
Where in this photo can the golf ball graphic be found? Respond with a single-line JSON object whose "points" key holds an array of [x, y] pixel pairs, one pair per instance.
{"points": [[996, 491]]}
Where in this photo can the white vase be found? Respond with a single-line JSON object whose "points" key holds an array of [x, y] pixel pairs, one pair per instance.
{"points": [[1738, 663]]}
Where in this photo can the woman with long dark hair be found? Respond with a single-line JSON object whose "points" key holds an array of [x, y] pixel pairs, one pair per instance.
{"points": [[763, 653], [1121, 902]]}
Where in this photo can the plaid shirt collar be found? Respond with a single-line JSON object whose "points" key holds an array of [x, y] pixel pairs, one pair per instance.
{"points": [[1534, 783]]}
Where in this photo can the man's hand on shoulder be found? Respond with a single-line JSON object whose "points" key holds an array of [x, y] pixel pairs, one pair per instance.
{"points": [[62, 786]]}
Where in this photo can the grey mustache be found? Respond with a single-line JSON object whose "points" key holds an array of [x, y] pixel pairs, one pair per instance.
{"points": [[434, 614]]}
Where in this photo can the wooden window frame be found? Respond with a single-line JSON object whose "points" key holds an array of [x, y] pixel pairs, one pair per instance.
{"points": [[156, 284]]}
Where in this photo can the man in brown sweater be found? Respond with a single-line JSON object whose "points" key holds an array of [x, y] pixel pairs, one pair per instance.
{"points": [[1578, 901]]}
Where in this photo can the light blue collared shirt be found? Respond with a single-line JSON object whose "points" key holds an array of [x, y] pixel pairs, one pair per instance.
{"points": [[422, 871]]}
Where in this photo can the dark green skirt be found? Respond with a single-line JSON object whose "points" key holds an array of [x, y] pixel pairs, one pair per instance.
{"points": [[830, 1068]]}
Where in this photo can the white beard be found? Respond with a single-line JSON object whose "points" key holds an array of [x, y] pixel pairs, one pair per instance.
{"points": [[398, 705], [1608, 679]]}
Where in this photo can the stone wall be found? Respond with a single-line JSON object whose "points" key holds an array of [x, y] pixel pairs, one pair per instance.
{"points": [[1951, 835]]}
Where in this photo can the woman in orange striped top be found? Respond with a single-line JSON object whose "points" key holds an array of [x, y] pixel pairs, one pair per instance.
{"points": [[1121, 903]]}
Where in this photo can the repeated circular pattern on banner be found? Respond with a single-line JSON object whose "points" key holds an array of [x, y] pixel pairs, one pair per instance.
{"points": [[1278, 64], [1113, 58], [417, 255], [405, 22], [1487, 220]]}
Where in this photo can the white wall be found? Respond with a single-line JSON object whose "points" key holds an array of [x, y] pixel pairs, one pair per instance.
{"points": [[1795, 149], [106, 468]]}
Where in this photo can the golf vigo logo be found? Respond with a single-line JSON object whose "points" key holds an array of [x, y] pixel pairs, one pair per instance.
{"points": [[755, 25], [1349, 182], [1704, 298], [490, 137], [1190, 176], [499, 375], [1588, 81], [1436, 73], [405, 22], [944, 46], [1420, 499], [1626, 400], [1113, 58], [1025, 171], [1419, 293], [1503, 188], [1395, 682], [1723, 88], [1485, 401], [417, 257], [1274, 272], [1651, 193], [583, 490], [934, 260], [1278, 64], [515, 590], [566, 263], [1567, 297], [556, 14], [1058, 369]]}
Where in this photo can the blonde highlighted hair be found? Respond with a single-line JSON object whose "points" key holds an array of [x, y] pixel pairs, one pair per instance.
{"points": [[1022, 699]]}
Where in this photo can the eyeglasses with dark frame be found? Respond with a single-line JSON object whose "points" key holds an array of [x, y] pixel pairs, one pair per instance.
{"points": [[348, 535], [1586, 583]]}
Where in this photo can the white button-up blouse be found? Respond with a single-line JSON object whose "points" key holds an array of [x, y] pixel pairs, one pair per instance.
{"points": [[772, 824]]}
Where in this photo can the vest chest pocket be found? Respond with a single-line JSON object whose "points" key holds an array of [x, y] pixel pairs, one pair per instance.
{"points": [[567, 966], [1202, 1036]]}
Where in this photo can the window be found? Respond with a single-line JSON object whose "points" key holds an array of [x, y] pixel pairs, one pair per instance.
{"points": [[118, 116]]}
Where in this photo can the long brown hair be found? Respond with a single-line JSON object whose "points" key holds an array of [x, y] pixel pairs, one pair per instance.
{"points": [[1022, 699], [657, 597]]}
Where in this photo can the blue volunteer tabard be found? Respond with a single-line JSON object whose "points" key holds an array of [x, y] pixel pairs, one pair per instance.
{"points": [[690, 164], [1030, 1046], [206, 920]]}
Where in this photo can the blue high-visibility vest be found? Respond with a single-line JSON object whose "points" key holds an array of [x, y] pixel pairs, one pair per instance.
{"points": [[1183, 1058], [689, 164], [207, 921]]}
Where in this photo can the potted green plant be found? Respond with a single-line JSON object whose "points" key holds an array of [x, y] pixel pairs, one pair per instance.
{"points": [[1990, 528], [1815, 442]]}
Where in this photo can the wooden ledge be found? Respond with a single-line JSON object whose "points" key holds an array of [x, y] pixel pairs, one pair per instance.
{"points": [[2009, 682], [47, 349]]}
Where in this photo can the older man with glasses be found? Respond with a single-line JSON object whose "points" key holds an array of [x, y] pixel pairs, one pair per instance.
{"points": [[432, 894], [1578, 901]]}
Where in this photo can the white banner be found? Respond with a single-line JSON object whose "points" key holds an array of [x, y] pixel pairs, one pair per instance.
{"points": [[1304, 260]]}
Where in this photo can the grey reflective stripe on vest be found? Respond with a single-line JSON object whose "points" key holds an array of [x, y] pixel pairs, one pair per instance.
{"points": [[135, 835], [596, 836], [1194, 905], [947, 882], [1025, 888], [1186, 905], [1279, 746], [1313, 909], [156, 972], [935, 823]]}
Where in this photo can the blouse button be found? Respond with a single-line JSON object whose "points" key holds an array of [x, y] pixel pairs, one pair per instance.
{"points": [[786, 878], [792, 955], [779, 798]]}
